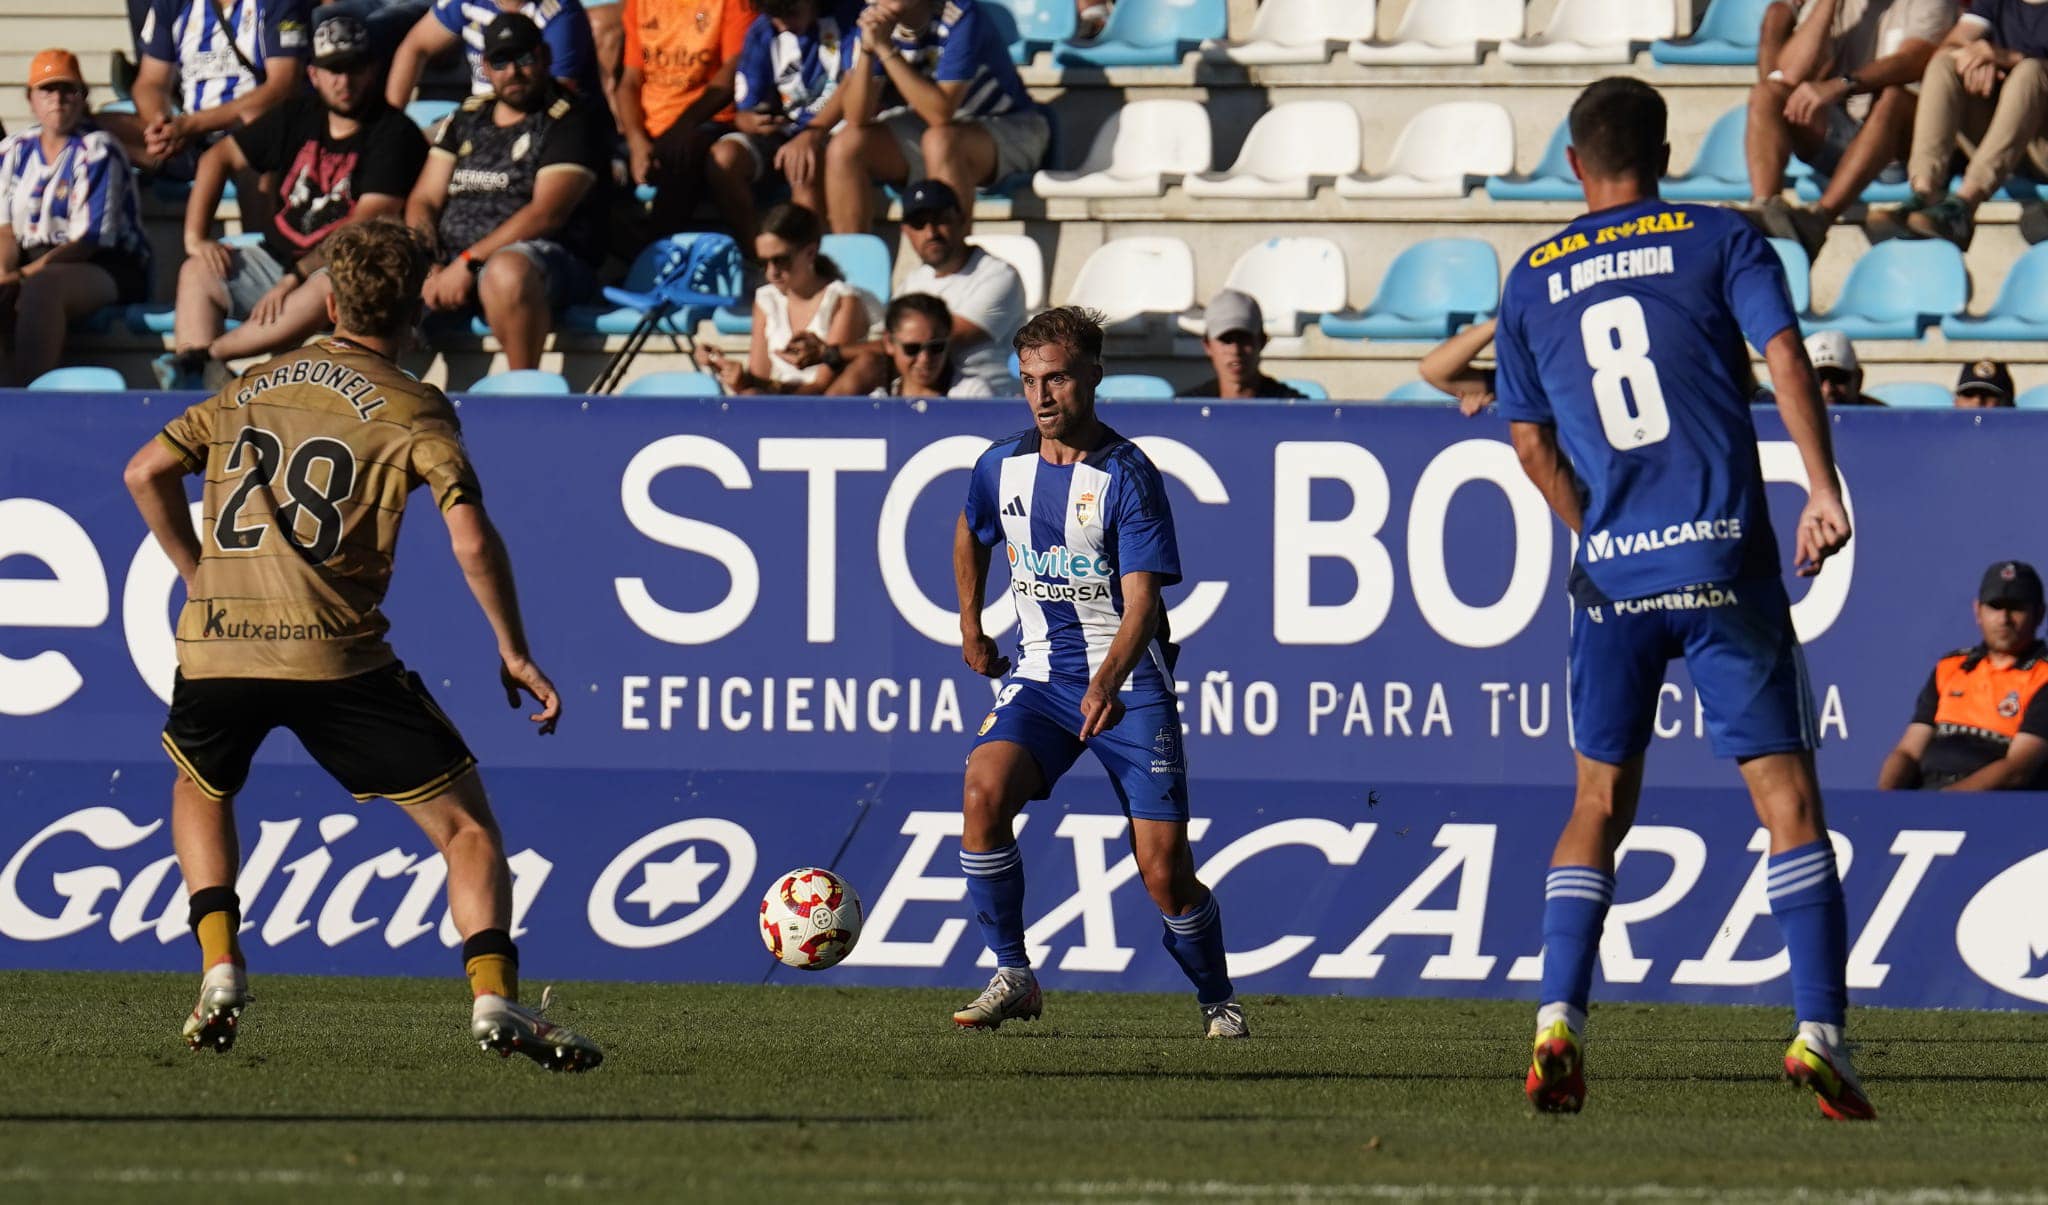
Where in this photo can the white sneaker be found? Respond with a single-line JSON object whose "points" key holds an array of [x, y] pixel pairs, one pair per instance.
{"points": [[223, 994], [1225, 1020], [510, 1027], [1010, 996]]}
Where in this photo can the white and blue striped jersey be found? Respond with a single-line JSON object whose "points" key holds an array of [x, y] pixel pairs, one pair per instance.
{"points": [[85, 195], [1070, 533], [564, 26], [961, 45], [188, 34]]}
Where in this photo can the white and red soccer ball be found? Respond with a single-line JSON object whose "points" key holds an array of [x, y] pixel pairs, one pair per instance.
{"points": [[810, 919]]}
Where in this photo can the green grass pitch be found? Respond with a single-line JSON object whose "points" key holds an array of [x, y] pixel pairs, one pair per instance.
{"points": [[368, 1088]]}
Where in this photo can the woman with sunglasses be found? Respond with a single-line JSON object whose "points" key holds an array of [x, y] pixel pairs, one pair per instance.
{"points": [[71, 238], [920, 331], [804, 317]]}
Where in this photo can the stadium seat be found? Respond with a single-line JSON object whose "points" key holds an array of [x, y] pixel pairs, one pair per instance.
{"points": [[673, 384], [1719, 172], [1129, 279], [81, 378], [425, 113], [1023, 253], [1312, 390], [2033, 399], [1897, 290], [863, 259], [2021, 311], [1443, 33], [1798, 272], [1148, 33], [1431, 289], [1418, 391], [1913, 395], [1289, 148], [1144, 147], [1550, 180], [1133, 386], [715, 265], [1297, 31], [1442, 152], [1029, 26], [1591, 32], [1292, 279], [522, 381], [1726, 37]]}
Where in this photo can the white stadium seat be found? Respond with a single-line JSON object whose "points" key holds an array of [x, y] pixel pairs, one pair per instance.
{"points": [[1292, 279], [1443, 33], [1131, 279], [1023, 253], [1443, 151], [1297, 31], [1286, 152], [1142, 149], [1587, 32]]}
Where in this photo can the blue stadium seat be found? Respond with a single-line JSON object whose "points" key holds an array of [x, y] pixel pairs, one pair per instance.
{"points": [[2033, 399], [1913, 395], [1028, 25], [1418, 391], [1798, 272], [1430, 290], [1897, 290], [863, 260], [1718, 172], [2021, 311], [711, 277], [425, 113], [1148, 33], [1725, 37], [1312, 390], [522, 381], [159, 317], [673, 384], [1894, 192], [1551, 179], [81, 378], [1133, 386]]}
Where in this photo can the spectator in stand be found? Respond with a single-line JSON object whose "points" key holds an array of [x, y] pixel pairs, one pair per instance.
{"points": [[805, 317], [1841, 374], [1233, 336], [1841, 97], [221, 83], [563, 24], [786, 92], [341, 155], [918, 348], [71, 238], [930, 93], [985, 294], [509, 195], [1450, 367], [1984, 385], [1987, 92], [1981, 723], [674, 108]]}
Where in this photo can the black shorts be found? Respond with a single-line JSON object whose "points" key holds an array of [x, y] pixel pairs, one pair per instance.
{"points": [[378, 734]]}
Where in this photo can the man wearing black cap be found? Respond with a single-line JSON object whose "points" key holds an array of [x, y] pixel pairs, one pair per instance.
{"points": [[342, 155], [509, 192], [1984, 385], [1981, 723], [985, 294]]}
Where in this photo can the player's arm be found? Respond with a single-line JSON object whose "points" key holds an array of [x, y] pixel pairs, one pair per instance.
{"points": [[970, 575], [1901, 769], [1824, 522], [1100, 706], [2014, 772], [156, 480], [1545, 464], [487, 567], [1448, 366]]}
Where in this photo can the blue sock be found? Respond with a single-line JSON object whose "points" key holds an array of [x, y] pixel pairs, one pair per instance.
{"points": [[1806, 899], [995, 882], [1575, 900], [1196, 942]]}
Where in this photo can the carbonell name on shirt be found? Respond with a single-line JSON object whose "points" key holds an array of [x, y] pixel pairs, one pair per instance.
{"points": [[1612, 265], [1605, 546]]}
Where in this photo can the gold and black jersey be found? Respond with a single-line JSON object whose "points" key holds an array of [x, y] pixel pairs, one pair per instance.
{"points": [[308, 459]]}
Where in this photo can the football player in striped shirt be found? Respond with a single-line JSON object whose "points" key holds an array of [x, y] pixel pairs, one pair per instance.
{"points": [[1083, 520]]}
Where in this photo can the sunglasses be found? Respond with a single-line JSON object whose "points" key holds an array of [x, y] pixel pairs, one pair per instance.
{"points": [[936, 347], [499, 62], [1835, 375], [924, 218]]}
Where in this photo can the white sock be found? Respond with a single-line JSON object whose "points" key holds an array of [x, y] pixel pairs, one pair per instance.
{"points": [[1017, 974], [1829, 1036], [1574, 1018]]}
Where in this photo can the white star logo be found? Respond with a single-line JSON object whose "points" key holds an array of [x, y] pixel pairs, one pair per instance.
{"points": [[667, 884]]}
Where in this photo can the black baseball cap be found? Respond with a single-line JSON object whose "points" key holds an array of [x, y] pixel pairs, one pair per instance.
{"points": [[930, 196], [510, 35], [2010, 584], [1986, 376], [341, 41]]}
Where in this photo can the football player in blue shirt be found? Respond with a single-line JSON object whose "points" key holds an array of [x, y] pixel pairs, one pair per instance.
{"points": [[1623, 371], [1083, 518]]}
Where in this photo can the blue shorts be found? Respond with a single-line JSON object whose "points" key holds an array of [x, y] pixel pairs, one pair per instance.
{"points": [[1739, 647], [1142, 753]]}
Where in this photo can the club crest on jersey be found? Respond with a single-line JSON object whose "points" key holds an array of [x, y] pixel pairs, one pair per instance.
{"points": [[1084, 510], [987, 723], [2009, 706], [521, 146]]}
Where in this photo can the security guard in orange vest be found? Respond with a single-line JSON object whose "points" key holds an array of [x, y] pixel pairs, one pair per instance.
{"points": [[1982, 720]]}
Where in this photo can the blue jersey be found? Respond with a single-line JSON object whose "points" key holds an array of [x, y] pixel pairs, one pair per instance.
{"points": [[961, 46], [1626, 332], [794, 74], [1070, 533], [189, 35]]}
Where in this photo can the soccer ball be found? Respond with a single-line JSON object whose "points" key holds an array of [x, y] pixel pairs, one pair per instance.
{"points": [[810, 919]]}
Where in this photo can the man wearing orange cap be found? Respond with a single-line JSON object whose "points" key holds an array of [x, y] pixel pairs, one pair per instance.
{"points": [[71, 237]]}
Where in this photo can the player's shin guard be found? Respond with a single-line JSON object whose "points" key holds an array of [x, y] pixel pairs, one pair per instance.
{"points": [[216, 919], [1575, 900], [491, 962], [1806, 898], [995, 882], [1195, 939]]}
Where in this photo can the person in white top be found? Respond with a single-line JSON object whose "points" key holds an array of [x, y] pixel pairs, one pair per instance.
{"points": [[985, 294], [804, 317], [919, 332]]}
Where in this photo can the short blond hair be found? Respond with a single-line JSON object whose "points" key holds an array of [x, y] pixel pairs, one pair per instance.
{"points": [[378, 267]]}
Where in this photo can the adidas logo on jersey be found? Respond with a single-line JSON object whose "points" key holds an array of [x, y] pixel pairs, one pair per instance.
{"points": [[1015, 508]]}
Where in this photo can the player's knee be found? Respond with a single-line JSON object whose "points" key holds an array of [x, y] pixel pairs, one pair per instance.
{"points": [[1767, 100], [983, 809], [2028, 74]]}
